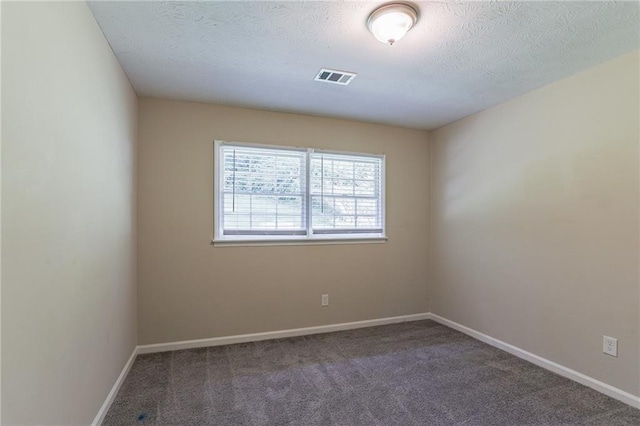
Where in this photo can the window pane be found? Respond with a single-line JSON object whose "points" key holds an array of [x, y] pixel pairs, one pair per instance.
{"points": [[237, 221], [263, 221], [367, 206], [367, 222], [365, 187], [345, 206], [345, 188], [342, 186], [253, 181], [345, 221], [289, 206], [342, 169], [364, 171], [289, 222]]}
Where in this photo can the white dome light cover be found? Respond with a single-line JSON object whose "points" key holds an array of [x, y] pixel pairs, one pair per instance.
{"points": [[389, 23]]}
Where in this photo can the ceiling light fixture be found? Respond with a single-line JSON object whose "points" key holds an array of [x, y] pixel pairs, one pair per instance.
{"points": [[389, 23]]}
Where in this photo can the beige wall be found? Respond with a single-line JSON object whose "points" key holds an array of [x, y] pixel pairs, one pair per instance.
{"points": [[535, 221], [68, 215], [188, 289]]}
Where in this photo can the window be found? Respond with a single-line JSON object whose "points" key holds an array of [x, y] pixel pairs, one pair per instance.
{"points": [[267, 193]]}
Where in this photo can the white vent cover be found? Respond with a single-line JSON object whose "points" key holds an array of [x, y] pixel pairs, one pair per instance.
{"points": [[335, 76]]}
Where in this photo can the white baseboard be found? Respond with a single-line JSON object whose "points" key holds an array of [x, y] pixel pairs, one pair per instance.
{"points": [[254, 337], [114, 390], [576, 376]]}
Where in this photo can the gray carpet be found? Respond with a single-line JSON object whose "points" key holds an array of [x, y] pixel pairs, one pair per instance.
{"points": [[415, 373]]}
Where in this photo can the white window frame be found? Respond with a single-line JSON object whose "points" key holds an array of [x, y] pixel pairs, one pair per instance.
{"points": [[310, 237]]}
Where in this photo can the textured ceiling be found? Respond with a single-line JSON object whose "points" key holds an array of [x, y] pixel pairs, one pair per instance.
{"points": [[460, 58]]}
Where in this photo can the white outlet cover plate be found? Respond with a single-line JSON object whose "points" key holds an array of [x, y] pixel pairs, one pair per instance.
{"points": [[610, 345]]}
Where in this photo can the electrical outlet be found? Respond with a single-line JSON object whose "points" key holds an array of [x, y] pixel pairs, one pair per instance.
{"points": [[325, 300], [610, 345]]}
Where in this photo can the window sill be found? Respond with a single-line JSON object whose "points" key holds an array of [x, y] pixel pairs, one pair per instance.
{"points": [[297, 242]]}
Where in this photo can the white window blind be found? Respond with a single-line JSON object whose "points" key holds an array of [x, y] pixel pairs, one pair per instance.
{"points": [[278, 193], [263, 191], [346, 194]]}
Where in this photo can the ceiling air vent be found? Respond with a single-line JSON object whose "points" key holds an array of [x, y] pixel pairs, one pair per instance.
{"points": [[335, 76]]}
